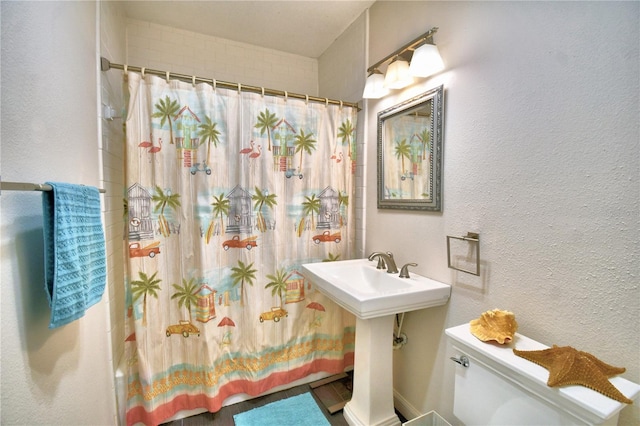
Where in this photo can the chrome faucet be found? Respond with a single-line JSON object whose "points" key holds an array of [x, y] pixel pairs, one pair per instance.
{"points": [[388, 259]]}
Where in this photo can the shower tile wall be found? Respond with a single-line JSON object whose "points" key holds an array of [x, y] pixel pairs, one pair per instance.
{"points": [[170, 49], [346, 82], [112, 47]]}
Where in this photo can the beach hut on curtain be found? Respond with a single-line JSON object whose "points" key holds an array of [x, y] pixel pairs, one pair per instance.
{"points": [[240, 211], [205, 303], [187, 140], [283, 148], [295, 287], [329, 214], [139, 206]]}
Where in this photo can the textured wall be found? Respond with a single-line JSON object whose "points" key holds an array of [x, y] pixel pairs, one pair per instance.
{"points": [[49, 132], [541, 157]]}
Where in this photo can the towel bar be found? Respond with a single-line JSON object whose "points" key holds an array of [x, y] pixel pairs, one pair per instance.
{"points": [[25, 186]]}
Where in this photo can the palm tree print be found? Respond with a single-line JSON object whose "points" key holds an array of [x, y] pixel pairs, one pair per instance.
{"points": [[186, 294], [209, 134], [331, 257], [260, 199], [220, 209], [278, 284], [266, 122], [241, 274], [345, 132], [343, 201], [166, 108], [141, 288], [163, 200], [403, 149], [304, 142], [311, 206], [425, 139]]}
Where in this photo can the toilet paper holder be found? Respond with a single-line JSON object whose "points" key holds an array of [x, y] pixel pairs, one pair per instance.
{"points": [[473, 238]]}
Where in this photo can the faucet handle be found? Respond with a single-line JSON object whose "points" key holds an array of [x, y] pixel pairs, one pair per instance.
{"points": [[404, 271]]}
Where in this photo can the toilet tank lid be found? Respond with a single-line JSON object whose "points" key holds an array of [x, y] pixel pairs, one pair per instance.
{"points": [[592, 401]]}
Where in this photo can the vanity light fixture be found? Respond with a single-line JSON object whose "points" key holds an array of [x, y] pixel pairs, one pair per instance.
{"points": [[398, 75], [374, 87], [425, 61]]}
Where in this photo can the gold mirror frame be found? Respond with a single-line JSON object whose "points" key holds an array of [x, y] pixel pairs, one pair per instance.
{"points": [[410, 153]]}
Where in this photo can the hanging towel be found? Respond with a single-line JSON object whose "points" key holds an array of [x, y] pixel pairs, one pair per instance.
{"points": [[75, 261]]}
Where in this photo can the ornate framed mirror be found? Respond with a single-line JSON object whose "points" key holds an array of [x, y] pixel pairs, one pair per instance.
{"points": [[410, 153]]}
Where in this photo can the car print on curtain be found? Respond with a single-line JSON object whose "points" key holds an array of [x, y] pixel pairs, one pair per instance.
{"points": [[244, 189]]}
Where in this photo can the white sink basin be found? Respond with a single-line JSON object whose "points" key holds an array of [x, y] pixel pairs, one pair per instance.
{"points": [[367, 292]]}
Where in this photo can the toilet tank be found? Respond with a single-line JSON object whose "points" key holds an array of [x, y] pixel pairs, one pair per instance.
{"points": [[501, 388]]}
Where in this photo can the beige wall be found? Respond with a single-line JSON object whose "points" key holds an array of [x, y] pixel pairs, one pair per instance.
{"points": [[541, 148], [49, 133]]}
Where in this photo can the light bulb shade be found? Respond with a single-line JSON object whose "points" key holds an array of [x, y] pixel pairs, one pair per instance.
{"points": [[426, 61], [398, 75], [374, 86]]}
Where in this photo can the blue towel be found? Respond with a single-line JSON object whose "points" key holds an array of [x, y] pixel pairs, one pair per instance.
{"points": [[75, 260]]}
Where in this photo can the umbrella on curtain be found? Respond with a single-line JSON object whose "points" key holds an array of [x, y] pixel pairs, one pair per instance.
{"points": [[226, 322]]}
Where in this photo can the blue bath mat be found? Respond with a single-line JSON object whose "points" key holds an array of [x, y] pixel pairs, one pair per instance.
{"points": [[300, 410]]}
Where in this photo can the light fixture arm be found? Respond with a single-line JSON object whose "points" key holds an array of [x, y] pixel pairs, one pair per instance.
{"points": [[409, 46]]}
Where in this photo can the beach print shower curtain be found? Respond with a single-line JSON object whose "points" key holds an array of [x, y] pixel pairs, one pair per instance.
{"points": [[228, 193]]}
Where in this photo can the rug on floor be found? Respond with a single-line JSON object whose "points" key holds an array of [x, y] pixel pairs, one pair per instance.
{"points": [[298, 410]]}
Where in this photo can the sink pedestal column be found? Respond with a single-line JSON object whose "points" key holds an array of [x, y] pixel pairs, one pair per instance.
{"points": [[372, 399]]}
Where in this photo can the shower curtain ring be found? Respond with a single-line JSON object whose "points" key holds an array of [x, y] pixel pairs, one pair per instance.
{"points": [[239, 88], [193, 80], [125, 67], [286, 95], [326, 102], [215, 82], [142, 71], [168, 76], [340, 105], [306, 99], [263, 92]]}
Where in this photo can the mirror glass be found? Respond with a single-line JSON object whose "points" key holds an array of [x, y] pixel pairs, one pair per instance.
{"points": [[410, 153]]}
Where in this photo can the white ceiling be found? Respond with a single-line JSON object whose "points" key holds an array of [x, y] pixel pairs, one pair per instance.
{"points": [[304, 28]]}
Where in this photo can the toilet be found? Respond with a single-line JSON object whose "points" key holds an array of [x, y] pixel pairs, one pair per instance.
{"points": [[493, 386]]}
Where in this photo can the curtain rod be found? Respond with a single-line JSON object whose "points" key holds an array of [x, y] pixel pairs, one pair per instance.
{"points": [[106, 65], [25, 186]]}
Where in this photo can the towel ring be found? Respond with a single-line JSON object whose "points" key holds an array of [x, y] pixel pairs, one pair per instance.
{"points": [[472, 238]]}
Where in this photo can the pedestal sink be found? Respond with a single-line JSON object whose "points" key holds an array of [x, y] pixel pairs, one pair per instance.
{"points": [[374, 297]]}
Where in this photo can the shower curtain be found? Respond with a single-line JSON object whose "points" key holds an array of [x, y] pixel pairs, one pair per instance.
{"points": [[228, 193]]}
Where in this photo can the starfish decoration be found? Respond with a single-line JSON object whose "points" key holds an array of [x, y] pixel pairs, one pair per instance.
{"points": [[568, 366]]}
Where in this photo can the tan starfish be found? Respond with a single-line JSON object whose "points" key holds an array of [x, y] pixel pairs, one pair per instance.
{"points": [[568, 366]]}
